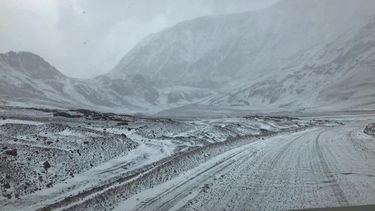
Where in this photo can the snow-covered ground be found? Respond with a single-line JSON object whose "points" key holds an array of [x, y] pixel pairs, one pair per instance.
{"points": [[83, 160], [17, 121], [322, 167]]}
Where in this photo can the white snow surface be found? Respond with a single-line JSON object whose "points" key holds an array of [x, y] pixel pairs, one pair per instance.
{"points": [[317, 168]]}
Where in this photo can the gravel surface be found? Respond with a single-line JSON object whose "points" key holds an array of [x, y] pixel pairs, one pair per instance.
{"points": [[83, 160]]}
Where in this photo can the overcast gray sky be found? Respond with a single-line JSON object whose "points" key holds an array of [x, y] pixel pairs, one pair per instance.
{"points": [[85, 38]]}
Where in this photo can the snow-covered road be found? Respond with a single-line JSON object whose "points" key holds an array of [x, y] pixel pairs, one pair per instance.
{"points": [[324, 167]]}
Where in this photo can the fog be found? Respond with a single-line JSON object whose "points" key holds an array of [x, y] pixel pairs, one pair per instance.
{"points": [[84, 38]]}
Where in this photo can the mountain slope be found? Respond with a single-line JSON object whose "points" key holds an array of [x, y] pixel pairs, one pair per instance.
{"points": [[296, 54], [231, 46], [340, 76], [290, 55], [27, 79]]}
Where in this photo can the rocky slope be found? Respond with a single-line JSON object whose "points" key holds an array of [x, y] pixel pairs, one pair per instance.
{"points": [[232, 46], [295, 54], [340, 75], [28, 80]]}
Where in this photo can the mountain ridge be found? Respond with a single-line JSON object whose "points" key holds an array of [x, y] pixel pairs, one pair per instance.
{"points": [[296, 54]]}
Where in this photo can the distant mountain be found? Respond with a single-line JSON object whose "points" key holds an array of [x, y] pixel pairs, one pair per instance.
{"points": [[27, 79], [341, 75], [296, 54], [289, 55], [227, 47], [26, 76]]}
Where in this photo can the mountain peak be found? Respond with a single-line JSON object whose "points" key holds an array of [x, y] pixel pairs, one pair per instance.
{"points": [[229, 46], [21, 55], [30, 64]]}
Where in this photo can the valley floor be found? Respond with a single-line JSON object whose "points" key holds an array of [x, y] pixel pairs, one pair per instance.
{"points": [[138, 163], [317, 168]]}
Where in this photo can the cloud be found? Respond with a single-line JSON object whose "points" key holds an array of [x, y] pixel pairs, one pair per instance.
{"points": [[25, 25], [84, 38]]}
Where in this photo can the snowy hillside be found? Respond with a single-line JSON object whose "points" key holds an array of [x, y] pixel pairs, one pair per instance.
{"points": [[296, 54], [339, 76], [275, 57], [233, 46], [26, 79]]}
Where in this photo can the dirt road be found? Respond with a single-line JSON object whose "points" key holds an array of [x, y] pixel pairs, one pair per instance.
{"points": [[324, 167]]}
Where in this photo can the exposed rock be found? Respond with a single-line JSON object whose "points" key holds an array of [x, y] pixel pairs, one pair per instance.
{"points": [[12, 152], [46, 165]]}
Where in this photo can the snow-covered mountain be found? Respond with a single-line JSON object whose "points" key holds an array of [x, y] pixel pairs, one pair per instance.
{"points": [[339, 75], [287, 55], [26, 76], [150, 93], [295, 54], [27, 79]]}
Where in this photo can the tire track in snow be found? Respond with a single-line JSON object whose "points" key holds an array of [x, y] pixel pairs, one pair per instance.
{"points": [[337, 191], [212, 170], [311, 172], [257, 172], [264, 176], [148, 202]]}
